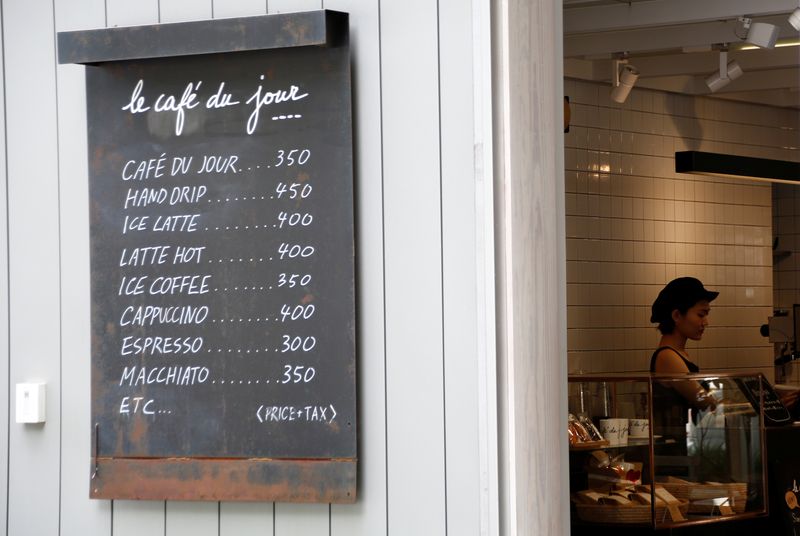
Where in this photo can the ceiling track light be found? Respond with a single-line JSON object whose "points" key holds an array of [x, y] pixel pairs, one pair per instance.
{"points": [[728, 71], [760, 34], [622, 82], [794, 19]]}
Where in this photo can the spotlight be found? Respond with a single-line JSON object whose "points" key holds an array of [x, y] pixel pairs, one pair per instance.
{"points": [[761, 34], [727, 71], [719, 80], [623, 83], [794, 19]]}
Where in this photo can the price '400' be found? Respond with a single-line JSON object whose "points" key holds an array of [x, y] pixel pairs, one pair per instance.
{"points": [[297, 343], [293, 190], [292, 219], [294, 251], [297, 312]]}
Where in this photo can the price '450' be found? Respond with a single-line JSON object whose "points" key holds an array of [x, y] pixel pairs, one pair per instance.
{"points": [[293, 190], [297, 343], [294, 251]]}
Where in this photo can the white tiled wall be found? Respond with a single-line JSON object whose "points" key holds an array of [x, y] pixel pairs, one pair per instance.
{"points": [[786, 225], [633, 224], [786, 258]]}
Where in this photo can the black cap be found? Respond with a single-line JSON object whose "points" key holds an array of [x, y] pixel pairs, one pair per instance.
{"points": [[681, 293]]}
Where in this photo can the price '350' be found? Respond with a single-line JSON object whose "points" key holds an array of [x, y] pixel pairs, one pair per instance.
{"points": [[298, 374], [292, 157]]}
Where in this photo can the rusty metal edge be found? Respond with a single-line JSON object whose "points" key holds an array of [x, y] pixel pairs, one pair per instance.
{"points": [[320, 28], [188, 479]]}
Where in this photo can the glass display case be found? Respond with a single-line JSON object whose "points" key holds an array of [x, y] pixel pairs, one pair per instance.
{"points": [[666, 450]]}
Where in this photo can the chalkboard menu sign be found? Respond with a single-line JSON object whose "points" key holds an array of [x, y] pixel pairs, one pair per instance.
{"points": [[222, 264]]}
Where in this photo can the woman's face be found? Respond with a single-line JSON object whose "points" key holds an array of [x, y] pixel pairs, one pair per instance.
{"points": [[692, 324]]}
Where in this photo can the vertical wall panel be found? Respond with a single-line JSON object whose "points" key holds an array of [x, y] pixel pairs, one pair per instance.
{"points": [[287, 6], [4, 317], [183, 10], [239, 8], [459, 268], [485, 229], [368, 516], [299, 519], [134, 518], [246, 519], [189, 518], [192, 518], [413, 268], [33, 261], [126, 13], [243, 519], [138, 518], [78, 514], [302, 519]]}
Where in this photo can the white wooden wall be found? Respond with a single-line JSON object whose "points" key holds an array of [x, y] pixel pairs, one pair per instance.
{"points": [[425, 406]]}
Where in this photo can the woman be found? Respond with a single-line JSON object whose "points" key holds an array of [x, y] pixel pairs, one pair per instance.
{"points": [[681, 311]]}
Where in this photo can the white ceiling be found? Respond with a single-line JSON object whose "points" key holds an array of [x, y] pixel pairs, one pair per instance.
{"points": [[674, 45]]}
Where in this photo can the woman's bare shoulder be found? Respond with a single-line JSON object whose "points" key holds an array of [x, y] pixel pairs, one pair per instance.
{"points": [[669, 360]]}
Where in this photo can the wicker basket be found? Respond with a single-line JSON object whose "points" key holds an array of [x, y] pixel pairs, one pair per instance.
{"points": [[624, 515], [695, 491]]}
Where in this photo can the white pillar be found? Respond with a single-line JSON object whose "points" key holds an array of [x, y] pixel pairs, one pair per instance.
{"points": [[531, 272]]}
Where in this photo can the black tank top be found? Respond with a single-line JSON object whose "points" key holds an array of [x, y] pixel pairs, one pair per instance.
{"points": [[691, 366], [670, 413]]}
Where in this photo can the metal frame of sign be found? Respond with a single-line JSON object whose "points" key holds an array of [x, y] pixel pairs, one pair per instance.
{"points": [[219, 476]]}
